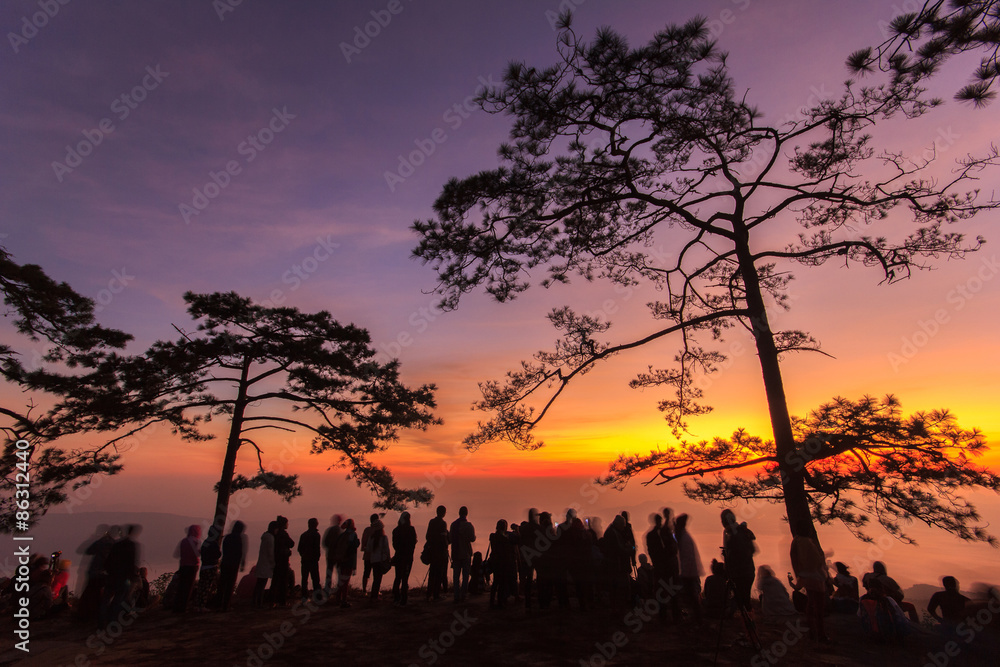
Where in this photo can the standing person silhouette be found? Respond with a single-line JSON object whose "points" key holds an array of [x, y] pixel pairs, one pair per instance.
{"points": [[501, 561], [366, 535], [309, 552], [738, 544], [208, 575], [654, 549], [283, 544], [462, 535], [404, 543], [379, 556], [234, 560], [346, 552], [329, 542], [437, 550], [691, 568], [629, 536], [89, 606], [123, 571], [671, 564], [264, 569], [809, 565], [187, 551], [530, 532]]}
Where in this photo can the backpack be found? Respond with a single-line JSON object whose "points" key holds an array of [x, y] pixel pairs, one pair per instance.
{"points": [[425, 554]]}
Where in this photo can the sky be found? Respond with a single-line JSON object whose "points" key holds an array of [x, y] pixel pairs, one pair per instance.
{"points": [[281, 151]]}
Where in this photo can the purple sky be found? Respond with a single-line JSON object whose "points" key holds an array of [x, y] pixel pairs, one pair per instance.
{"points": [[311, 221]]}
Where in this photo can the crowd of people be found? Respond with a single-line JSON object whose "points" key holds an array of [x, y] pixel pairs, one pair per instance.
{"points": [[538, 561]]}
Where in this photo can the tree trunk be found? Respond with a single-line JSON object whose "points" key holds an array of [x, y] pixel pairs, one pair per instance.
{"points": [[789, 467], [232, 449]]}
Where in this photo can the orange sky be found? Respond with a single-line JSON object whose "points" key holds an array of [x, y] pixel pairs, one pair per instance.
{"points": [[930, 340]]}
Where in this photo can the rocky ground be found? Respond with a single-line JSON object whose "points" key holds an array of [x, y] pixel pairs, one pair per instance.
{"points": [[445, 633]]}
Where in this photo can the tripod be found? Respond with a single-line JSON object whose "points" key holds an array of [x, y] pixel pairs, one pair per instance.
{"points": [[749, 626]]}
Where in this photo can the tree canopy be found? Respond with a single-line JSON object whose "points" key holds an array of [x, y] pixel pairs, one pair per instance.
{"points": [[918, 43], [860, 459], [269, 368], [614, 149], [71, 387]]}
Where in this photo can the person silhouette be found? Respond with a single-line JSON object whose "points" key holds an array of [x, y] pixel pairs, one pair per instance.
{"points": [[123, 568], [329, 542], [309, 552], [951, 603], [379, 557], [188, 552], [461, 535], [436, 540], [283, 544], [234, 560], [365, 556], [265, 564], [738, 543], [346, 552], [404, 543], [691, 568], [501, 561]]}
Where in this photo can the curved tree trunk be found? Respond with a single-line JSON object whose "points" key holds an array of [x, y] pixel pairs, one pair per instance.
{"points": [[232, 448], [792, 474]]}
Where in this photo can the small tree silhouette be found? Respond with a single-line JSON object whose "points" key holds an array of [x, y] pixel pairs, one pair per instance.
{"points": [[265, 368]]}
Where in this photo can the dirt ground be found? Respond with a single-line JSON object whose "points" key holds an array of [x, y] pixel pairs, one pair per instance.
{"points": [[445, 633]]}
